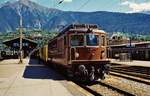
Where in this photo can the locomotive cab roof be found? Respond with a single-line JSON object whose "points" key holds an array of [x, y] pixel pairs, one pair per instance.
{"points": [[81, 27]]}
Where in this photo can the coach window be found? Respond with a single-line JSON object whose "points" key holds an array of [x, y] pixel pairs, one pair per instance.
{"points": [[53, 44], [103, 40], [77, 40]]}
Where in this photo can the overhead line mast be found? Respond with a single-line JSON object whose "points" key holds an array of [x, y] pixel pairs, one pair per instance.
{"points": [[83, 5], [20, 30]]}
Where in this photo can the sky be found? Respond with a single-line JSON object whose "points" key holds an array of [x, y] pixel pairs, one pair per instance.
{"points": [[126, 6]]}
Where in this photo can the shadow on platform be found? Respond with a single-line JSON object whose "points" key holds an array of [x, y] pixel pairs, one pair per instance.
{"points": [[35, 62], [39, 71]]}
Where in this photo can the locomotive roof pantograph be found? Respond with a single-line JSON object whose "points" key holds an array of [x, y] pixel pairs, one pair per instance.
{"points": [[87, 28], [81, 27]]}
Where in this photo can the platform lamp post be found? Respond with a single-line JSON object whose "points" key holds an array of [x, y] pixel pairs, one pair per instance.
{"points": [[21, 36], [130, 44]]}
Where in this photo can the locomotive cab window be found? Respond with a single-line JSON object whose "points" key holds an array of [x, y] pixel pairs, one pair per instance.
{"points": [[65, 40], [92, 40], [77, 40], [103, 40]]}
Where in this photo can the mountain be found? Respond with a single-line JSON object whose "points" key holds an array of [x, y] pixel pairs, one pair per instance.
{"points": [[145, 12], [50, 19], [32, 13], [110, 22]]}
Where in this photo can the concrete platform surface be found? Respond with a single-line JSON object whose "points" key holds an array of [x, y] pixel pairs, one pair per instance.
{"points": [[132, 63], [30, 79]]}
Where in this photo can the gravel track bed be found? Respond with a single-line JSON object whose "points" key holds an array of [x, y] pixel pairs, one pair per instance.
{"points": [[105, 91], [139, 89]]}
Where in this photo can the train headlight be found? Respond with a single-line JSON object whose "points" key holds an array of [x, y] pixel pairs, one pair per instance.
{"points": [[76, 55], [103, 55], [93, 54]]}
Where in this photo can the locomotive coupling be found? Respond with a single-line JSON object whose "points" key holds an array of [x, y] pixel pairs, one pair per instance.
{"points": [[92, 75]]}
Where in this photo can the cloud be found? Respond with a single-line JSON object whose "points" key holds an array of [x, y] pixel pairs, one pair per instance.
{"points": [[137, 7], [67, 0], [126, 3]]}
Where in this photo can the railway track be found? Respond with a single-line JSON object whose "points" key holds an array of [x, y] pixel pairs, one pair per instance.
{"points": [[93, 92], [135, 74], [135, 69], [103, 89], [139, 74], [106, 88]]}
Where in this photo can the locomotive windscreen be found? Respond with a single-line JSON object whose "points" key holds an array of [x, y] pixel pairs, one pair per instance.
{"points": [[92, 40], [77, 40]]}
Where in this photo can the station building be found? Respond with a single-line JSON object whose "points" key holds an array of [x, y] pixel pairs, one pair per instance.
{"points": [[124, 48], [13, 46], [135, 51]]}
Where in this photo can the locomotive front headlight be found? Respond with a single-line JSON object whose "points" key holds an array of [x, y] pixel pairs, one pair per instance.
{"points": [[76, 55], [103, 55], [93, 54]]}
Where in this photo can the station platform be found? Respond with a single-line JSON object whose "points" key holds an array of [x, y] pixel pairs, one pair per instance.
{"points": [[131, 63], [31, 79]]}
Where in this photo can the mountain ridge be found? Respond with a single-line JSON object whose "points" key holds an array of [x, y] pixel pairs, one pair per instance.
{"points": [[35, 15]]}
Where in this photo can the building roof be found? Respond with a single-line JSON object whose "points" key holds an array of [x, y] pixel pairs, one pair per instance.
{"points": [[139, 43], [17, 39]]}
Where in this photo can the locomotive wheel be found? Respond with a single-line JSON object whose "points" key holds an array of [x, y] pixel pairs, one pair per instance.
{"points": [[92, 75], [83, 73], [103, 77]]}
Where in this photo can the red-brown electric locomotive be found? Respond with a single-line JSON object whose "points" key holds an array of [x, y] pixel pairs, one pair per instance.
{"points": [[80, 51]]}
